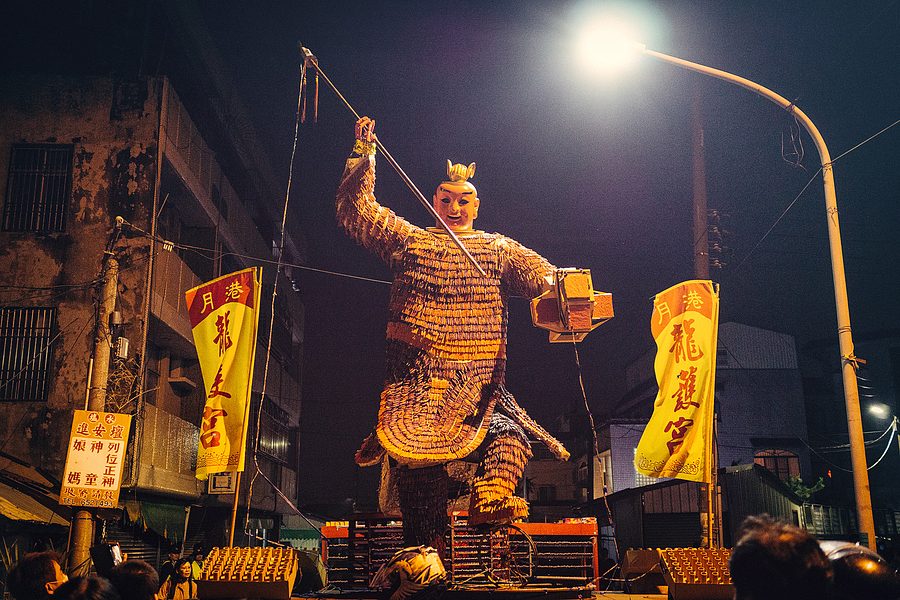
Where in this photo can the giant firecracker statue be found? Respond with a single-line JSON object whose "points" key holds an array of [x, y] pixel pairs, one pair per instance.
{"points": [[444, 393]]}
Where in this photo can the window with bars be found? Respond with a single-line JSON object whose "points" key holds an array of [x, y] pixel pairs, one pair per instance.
{"points": [[546, 494], [26, 336], [38, 188], [276, 437], [784, 463]]}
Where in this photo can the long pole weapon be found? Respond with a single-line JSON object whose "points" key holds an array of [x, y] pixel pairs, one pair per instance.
{"points": [[309, 59]]}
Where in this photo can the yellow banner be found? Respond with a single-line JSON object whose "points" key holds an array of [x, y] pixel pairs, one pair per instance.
{"points": [[677, 441], [224, 317]]}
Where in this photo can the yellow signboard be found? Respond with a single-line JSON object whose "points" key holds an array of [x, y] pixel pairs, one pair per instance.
{"points": [[677, 441], [93, 473]]}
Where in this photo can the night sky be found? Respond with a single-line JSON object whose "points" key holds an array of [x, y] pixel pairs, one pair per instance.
{"points": [[589, 173]]}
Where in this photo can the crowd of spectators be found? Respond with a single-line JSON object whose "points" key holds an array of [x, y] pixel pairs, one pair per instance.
{"points": [[39, 575], [772, 560]]}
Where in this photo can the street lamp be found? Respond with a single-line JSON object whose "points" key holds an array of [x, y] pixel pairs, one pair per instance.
{"points": [[848, 359], [605, 48], [879, 410]]}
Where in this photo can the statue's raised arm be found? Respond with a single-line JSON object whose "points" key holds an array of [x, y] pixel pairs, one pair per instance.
{"points": [[372, 226]]}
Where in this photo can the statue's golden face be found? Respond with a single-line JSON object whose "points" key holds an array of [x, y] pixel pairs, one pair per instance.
{"points": [[457, 205]]}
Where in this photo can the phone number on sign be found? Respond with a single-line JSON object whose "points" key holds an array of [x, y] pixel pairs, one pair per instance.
{"points": [[87, 502]]}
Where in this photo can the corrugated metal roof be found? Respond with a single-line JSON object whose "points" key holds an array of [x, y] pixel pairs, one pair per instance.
{"points": [[19, 506], [745, 347], [740, 347]]}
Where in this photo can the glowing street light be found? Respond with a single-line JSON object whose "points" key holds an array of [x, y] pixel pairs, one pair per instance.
{"points": [[849, 361], [879, 410], [605, 46]]}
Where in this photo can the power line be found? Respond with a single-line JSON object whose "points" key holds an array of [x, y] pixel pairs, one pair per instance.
{"points": [[865, 141], [778, 220], [50, 287], [54, 294], [815, 175], [169, 244]]}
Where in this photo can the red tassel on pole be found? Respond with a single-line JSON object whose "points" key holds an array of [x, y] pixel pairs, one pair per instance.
{"points": [[316, 97], [303, 92]]}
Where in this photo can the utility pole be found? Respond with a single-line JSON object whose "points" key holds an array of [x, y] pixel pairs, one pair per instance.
{"points": [[700, 248], [83, 522], [849, 360], [701, 243]]}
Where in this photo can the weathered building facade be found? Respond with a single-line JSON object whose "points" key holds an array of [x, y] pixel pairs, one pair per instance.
{"points": [[138, 122]]}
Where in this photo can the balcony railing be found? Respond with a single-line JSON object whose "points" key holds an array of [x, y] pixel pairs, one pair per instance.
{"points": [[171, 279], [167, 454]]}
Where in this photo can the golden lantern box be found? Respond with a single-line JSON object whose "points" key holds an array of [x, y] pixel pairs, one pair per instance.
{"points": [[571, 309]]}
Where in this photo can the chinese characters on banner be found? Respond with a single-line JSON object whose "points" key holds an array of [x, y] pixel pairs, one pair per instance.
{"points": [[93, 473], [677, 441], [224, 317]]}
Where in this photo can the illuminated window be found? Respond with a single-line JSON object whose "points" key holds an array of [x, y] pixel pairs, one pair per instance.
{"points": [[277, 439], [38, 188], [606, 480], [783, 463]]}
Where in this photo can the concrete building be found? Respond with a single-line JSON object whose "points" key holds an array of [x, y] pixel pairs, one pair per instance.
{"points": [[763, 405], [760, 411], [135, 117], [551, 485], [760, 420]]}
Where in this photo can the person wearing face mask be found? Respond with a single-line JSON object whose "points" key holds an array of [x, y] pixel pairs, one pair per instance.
{"points": [[445, 396], [36, 576]]}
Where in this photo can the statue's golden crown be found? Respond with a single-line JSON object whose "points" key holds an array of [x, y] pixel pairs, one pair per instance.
{"points": [[460, 173]]}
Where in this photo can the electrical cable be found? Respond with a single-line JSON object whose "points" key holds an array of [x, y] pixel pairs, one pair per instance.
{"points": [[638, 430], [865, 141], [778, 220], [65, 289], [201, 251], [795, 158], [278, 267], [816, 174], [868, 443], [805, 443], [41, 296], [596, 443], [836, 466], [62, 289], [50, 287], [886, 448]]}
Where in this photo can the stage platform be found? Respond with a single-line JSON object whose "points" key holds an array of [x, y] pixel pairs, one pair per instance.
{"points": [[621, 596], [495, 593]]}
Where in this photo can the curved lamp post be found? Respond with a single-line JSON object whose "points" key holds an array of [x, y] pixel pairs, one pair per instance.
{"points": [[848, 359]]}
